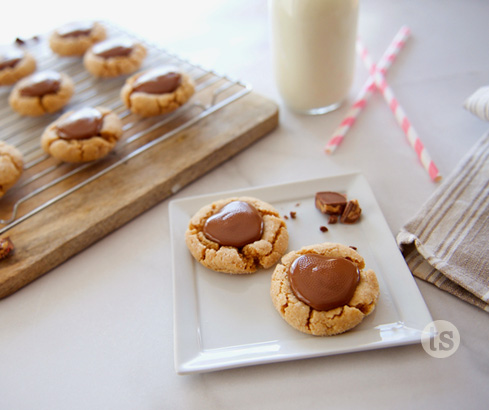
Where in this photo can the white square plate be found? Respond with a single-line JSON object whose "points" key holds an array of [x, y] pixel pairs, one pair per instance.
{"points": [[223, 321]]}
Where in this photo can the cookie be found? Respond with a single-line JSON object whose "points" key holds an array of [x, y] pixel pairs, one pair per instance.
{"points": [[157, 91], [83, 135], [11, 166], [74, 39], [114, 57], [237, 235], [324, 289], [43, 92], [15, 64]]}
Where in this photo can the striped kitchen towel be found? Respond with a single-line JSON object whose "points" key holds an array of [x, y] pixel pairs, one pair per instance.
{"points": [[447, 242]]}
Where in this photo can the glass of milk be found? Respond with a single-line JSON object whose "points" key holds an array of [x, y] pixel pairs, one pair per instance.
{"points": [[313, 48]]}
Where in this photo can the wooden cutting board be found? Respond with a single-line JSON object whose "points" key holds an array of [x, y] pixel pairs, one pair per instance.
{"points": [[71, 224]]}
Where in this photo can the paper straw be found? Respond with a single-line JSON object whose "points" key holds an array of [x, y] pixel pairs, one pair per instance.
{"points": [[367, 90], [399, 114]]}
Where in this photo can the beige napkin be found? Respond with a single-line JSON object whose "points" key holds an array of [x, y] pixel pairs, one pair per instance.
{"points": [[447, 241]]}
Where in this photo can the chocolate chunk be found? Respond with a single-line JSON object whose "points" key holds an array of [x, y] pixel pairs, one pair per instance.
{"points": [[42, 83], [76, 29], [10, 57], [82, 124], [323, 229], [158, 81], [323, 283], [331, 203], [352, 212], [113, 48], [236, 224]]}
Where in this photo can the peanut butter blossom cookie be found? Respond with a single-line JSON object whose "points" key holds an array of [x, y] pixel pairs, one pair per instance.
{"points": [[11, 166], [114, 57], [324, 289], [43, 92], [83, 135], [157, 91], [15, 64], [237, 235], [74, 39]]}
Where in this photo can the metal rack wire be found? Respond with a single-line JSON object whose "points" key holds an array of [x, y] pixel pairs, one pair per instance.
{"points": [[45, 180]]}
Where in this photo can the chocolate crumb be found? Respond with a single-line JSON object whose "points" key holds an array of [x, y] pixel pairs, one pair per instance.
{"points": [[352, 212], [286, 217], [293, 214], [19, 41], [333, 219], [353, 247], [323, 228]]}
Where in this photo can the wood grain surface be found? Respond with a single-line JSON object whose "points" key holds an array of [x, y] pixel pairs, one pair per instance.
{"points": [[70, 225]]}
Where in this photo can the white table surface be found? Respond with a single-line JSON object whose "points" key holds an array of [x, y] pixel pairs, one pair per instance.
{"points": [[97, 331]]}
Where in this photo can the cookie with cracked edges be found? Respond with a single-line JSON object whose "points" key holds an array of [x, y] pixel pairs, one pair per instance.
{"points": [[11, 166], [75, 38], [307, 319], [83, 135], [262, 251], [114, 57], [157, 91], [15, 64], [43, 92]]}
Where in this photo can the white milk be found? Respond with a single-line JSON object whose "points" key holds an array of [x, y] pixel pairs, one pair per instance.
{"points": [[313, 46]]}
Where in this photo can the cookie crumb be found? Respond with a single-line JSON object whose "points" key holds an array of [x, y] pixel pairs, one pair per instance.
{"points": [[286, 217], [293, 214], [6, 248], [323, 228], [353, 247]]}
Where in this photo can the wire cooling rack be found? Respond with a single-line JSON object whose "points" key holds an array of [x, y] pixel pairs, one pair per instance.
{"points": [[46, 180]]}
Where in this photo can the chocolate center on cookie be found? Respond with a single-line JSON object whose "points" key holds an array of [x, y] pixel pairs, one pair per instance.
{"points": [[113, 48], [236, 224], [323, 283], [82, 124], [158, 81], [10, 57], [39, 84], [76, 29]]}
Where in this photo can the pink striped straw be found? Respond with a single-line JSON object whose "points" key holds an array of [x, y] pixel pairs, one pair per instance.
{"points": [[367, 90], [399, 114]]}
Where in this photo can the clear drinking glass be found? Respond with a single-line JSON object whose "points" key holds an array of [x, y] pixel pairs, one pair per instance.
{"points": [[313, 48]]}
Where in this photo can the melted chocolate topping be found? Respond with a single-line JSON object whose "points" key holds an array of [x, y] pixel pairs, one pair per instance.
{"points": [[76, 29], [10, 57], [158, 81], [113, 48], [42, 83], [82, 124], [323, 283], [236, 224]]}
